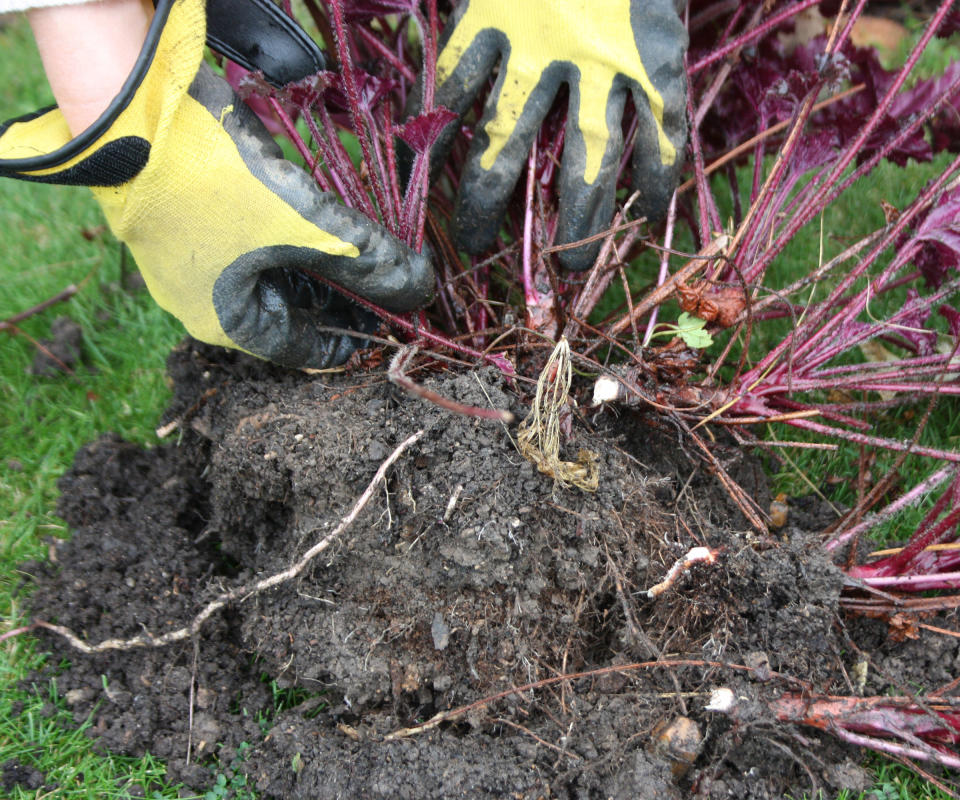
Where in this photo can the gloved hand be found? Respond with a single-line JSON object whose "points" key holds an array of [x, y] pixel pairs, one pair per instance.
{"points": [[601, 50], [223, 228]]}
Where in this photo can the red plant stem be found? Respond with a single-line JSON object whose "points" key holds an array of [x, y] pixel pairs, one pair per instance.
{"points": [[342, 173], [856, 304], [413, 197], [385, 197], [916, 367], [709, 216], [916, 387], [923, 365], [804, 337], [830, 414], [13, 632], [374, 42], [911, 498], [392, 171], [707, 98], [418, 330], [10, 323], [398, 376], [751, 35], [931, 531], [889, 724], [429, 28], [886, 746], [603, 270], [344, 163], [422, 204], [358, 119], [627, 156], [292, 132], [819, 198], [664, 265], [913, 583], [530, 294], [874, 441]]}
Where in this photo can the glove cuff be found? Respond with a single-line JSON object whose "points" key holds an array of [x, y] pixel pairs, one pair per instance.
{"points": [[39, 146], [111, 152]]}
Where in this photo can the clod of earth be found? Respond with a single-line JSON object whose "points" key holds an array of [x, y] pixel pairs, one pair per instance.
{"points": [[468, 576]]}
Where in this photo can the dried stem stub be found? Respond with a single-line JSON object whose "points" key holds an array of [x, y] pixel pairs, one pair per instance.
{"points": [[539, 436]]}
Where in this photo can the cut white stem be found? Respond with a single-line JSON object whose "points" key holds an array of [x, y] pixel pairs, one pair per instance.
{"points": [[695, 555]]}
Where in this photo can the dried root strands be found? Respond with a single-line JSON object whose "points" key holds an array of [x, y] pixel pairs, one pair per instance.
{"points": [[539, 437]]}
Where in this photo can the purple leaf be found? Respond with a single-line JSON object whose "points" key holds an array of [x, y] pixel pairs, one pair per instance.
{"points": [[245, 83], [502, 363], [371, 89], [940, 234], [952, 316], [950, 24], [254, 90], [767, 84], [308, 91], [945, 127], [814, 151], [912, 325], [421, 132]]}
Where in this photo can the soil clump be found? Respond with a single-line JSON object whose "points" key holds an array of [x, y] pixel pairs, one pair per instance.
{"points": [[468, 576]]}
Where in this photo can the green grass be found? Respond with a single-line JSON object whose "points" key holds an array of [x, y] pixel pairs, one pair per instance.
{"points": [[121, 388], [43, 421]]}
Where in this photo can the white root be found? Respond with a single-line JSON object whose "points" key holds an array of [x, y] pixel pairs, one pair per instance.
{"points": [[695, 555], [245, 591]]}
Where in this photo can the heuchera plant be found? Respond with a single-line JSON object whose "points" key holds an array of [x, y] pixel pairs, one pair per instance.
{"points": [[784, 127]]}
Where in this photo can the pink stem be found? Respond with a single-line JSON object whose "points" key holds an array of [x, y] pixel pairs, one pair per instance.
{"points": [[343, 175], [875, 441], [358, 118], [530, 294], [885, 746], [750, 36], [664, 265]]}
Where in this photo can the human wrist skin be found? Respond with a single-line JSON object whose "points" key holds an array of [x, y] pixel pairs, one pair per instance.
{"points": [[88, 50]]}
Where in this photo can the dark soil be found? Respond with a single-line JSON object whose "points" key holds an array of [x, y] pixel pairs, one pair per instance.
{"points": [[468, 575]]}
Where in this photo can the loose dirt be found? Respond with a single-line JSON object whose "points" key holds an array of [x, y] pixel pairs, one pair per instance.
{"points": [[468, 576]]}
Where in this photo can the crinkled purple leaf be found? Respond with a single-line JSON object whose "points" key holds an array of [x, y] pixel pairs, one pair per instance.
{"points": [[940, 234], [945, 127], [814, 151], [422, 131], [951, 24], [935, 263], [308, 91], [926, 92], [253, 89], [912, 325], [952, 316], [849, 115], [767, 84], [371, 89], [246, 83]]}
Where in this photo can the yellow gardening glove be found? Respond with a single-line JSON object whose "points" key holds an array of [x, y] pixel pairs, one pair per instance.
{"points": [[601, 49], [224, 230]]}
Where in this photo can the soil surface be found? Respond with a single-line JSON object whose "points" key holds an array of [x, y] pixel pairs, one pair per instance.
{"points": [[468, 575]]}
